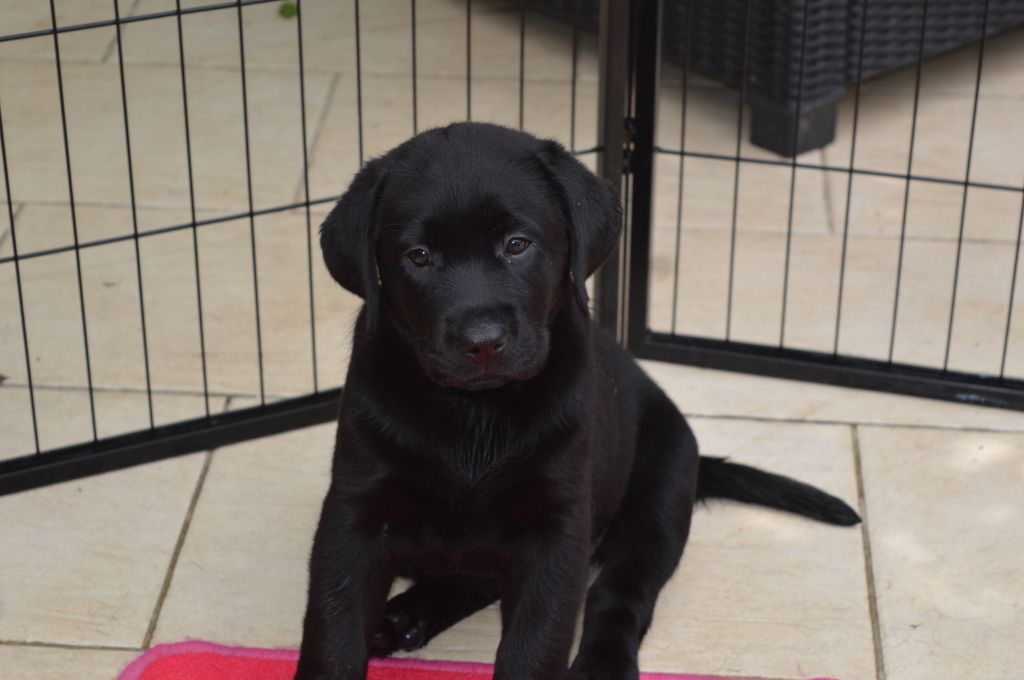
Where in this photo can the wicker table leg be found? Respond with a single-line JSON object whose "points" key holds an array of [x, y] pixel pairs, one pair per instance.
{"points": [[772, 128]]}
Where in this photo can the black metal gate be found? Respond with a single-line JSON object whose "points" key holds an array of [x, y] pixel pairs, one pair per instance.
{"points": [[443, 81], [719, 348], [630, 154]]}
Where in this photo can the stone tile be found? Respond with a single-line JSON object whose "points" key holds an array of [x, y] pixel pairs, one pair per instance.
{"points": [[705, 195], [211, 38], [945, 513], [96, 135], [53, 321], [83, 562], [925, 296], [932, 210], [387, 121], [22, 16], [712, 119], [762, 593], [700, 293], [241, 576], [954, 72], [173, 341], [229, 309], [5, 224], [763, 202], [387, 117], [942, 137], [702, 392], [262, 484], [801, 611], [1015, 357], [285, 310], [690, 260], [328, 30], [63, 416], [56, 663], [1001, 74], [42, 227], [275, 484]]}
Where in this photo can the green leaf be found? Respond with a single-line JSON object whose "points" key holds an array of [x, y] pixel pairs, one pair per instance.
{"points": [[288, 10]]}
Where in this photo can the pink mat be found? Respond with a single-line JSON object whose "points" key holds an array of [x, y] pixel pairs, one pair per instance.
{"points": [[207, 661]]}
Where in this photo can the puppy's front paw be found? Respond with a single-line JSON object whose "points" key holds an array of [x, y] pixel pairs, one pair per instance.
{"points": [[604, 665], [398, 631], [325, 670]]}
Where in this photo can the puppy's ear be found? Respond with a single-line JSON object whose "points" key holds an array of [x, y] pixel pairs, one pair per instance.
{"points": [[592, 212], [348, 239]]}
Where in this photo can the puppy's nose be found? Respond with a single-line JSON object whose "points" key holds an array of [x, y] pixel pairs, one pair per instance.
{"points": [[483, 339]]}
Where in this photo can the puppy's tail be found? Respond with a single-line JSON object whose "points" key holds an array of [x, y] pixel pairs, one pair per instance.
{"points": [[718, 478]]}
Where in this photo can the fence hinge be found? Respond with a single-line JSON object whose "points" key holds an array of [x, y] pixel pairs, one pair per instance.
{"points": [[629, 134]]}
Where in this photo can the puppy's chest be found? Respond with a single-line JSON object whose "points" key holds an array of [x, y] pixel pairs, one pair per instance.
{"points": [[468, 528]]}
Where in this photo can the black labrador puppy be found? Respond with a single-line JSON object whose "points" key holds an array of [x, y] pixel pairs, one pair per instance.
{"points": [[493, 443]]}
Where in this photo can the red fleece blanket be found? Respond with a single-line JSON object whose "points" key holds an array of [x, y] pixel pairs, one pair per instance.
{"points": [[207, 661]]}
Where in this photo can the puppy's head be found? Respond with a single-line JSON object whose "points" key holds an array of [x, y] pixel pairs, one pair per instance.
{"points": [[471, 239]]}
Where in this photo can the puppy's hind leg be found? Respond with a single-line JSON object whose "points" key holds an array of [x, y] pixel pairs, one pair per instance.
{"points": [[641, 547], [427, 608]]}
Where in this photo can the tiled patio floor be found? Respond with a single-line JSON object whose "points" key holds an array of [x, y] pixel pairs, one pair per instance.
{"points": [[214, 545]]}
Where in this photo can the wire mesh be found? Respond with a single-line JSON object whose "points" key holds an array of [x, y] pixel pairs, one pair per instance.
{"points": [[164, 172], [190, 262], [829, 262]]}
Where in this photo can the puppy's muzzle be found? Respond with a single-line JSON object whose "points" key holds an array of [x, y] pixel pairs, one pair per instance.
{"points": [[481, 340]]}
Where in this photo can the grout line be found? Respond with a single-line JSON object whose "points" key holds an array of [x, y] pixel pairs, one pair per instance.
{"points": [[142, 390], [216, 210], [180, 543], [880, 91], [327, 71], [869, 569], [7, 230], [169, 207], [688, 413], [109, 52], [862, 237], [160, 391], [830, 220], [906, 426], [64, 645], [207, 209], [314, 139]]}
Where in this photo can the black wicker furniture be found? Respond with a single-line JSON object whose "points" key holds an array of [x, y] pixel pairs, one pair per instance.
{"points": [[794, 100]]}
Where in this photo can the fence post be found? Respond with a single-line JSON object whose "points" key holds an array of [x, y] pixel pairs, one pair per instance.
{"points": [[613, 50], [647, 56]]}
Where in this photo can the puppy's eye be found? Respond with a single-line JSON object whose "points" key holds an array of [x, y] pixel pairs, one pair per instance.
{"points": [[516, 245], [419, 257]]}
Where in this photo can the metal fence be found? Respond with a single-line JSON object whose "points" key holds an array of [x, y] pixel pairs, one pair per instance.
{"points": [[415, 63], [688, 284], [910, 284]]}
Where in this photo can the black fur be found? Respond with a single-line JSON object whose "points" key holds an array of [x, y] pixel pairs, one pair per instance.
{"points": [[492, 442], [721, 479]]}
